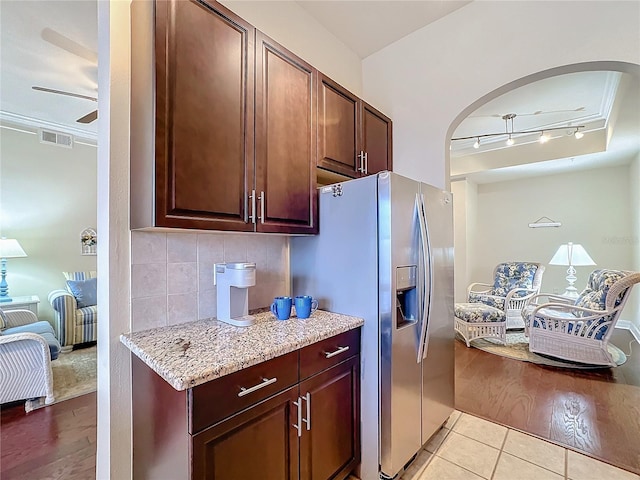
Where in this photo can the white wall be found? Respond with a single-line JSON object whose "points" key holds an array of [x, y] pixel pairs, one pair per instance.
{"points": [[465, 213], [292, 26], [634, 239], [426, 80], [172, 273], [47, 198], [594, 207], [287, 24]]}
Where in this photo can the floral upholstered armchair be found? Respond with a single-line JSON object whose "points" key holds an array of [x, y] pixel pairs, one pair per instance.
{"points": [[514, 284], [76, 310], [579, 331]]}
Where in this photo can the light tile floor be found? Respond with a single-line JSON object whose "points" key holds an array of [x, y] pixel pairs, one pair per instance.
{"points": [[471, 448]]}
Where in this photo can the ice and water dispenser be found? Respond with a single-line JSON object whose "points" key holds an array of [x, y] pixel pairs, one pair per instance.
{"points": [[406, 296]]}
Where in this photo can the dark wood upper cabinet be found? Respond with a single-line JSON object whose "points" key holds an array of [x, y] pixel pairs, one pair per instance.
{"points": [[338, 121], [285, 140], [376, 140], [204, 116], [354, 139], [235, 124]]}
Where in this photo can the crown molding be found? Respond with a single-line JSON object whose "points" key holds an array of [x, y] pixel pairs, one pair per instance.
{"points": [[35, 123]]}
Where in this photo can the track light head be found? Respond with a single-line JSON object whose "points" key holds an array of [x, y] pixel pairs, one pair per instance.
{"points": [[578, 134], [509, 141], [543, 137], [476, 145]]}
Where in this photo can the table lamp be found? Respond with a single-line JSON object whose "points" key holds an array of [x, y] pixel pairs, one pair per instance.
{"points": [[9, 248], [573, 255]]}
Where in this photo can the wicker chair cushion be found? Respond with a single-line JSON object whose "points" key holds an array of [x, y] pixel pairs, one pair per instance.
{"points": [[478, 313], [510, 275], [42, 328], [594, 295], [492, 301]]}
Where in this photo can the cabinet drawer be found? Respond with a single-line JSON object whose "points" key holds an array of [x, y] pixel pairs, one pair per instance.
{"points": [[218, 399], [326, 353]]}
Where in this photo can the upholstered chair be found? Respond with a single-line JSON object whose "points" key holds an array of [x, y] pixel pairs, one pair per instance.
{"points": [[76, 312], [580, 330], [514, 284], [27, 347]]}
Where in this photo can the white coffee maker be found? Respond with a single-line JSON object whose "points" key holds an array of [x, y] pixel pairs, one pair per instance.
{"points": [[232, 282]]}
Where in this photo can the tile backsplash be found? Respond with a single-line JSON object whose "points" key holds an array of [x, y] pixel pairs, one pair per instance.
{"points": [[172, 273]]}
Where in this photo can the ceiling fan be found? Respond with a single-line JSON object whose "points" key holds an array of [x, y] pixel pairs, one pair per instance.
{"points": [[71, 46], [89, 117]]}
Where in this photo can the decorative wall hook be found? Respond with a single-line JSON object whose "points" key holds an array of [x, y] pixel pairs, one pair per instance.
{"points": [[539, 223]]}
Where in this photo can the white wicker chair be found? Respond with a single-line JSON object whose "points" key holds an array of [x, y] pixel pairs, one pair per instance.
{"points": [[580, 331], [25, 360], [515, 284]]}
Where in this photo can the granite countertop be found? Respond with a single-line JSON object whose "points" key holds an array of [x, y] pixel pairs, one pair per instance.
{"points": [[193, 353]]}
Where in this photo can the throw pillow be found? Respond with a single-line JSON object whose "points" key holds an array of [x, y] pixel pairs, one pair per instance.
{"points": [[3, 320], [85, 291]]}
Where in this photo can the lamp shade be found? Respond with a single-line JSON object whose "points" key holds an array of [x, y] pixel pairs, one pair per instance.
{"points": [[571, 254], [10, 248]]}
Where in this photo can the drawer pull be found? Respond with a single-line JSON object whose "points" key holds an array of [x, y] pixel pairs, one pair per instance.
{"points": [[337, 352], [265, 382]]}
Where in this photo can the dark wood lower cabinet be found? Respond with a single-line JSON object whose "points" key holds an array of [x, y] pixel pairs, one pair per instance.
{"points": [[330, 448], [259, 443], [302, 424]]}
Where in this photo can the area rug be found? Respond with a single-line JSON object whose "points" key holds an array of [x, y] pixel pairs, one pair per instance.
{"points": [[74, 374], [517, 347]]}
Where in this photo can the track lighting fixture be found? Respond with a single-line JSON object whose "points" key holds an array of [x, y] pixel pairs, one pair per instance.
{"points": [[511, 132]]}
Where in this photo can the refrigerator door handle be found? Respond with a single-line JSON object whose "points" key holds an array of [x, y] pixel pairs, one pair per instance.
{"points": [[427, 280]]}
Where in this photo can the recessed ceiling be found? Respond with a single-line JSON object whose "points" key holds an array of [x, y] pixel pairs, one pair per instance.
{"points": [[600, 100]]}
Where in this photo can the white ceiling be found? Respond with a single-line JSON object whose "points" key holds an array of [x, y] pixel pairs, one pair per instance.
{"points": [[29, 59], [53, 43], [368, 26]]}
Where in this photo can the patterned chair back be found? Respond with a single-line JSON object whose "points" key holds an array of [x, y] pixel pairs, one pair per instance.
{"points": [[510, 275], [594, 296]]}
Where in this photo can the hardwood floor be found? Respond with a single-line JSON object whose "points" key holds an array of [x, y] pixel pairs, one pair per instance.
{"points": [[56, 442], [593, 411]]}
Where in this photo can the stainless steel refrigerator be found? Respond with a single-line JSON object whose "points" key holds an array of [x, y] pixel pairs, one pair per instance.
{"points": [[385, 253]]}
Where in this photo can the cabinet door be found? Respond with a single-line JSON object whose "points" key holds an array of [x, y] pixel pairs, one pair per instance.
{"points": [[260, 442], [204, 116], [338, 134], [330, 441], [376, 129], [286, 140]]}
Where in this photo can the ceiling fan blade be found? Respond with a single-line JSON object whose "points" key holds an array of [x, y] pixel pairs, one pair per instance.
{"points": [[89, 117], [68, 94], [69, 45]]}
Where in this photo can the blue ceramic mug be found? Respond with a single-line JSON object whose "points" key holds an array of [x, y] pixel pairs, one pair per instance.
{"points": [[305, 306], [281, 307]]}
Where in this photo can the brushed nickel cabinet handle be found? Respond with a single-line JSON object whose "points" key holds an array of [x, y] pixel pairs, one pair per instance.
{"points": [[252, 197], [262, 200], [307, 420], [265, 382], [337, 352], [366, 163], [298, 427]]}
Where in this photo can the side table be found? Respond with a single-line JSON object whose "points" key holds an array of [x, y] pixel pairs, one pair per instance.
{"points": [[29, 302]]}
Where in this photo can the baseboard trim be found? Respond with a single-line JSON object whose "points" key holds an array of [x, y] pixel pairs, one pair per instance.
{"points": [[632, 327]]}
